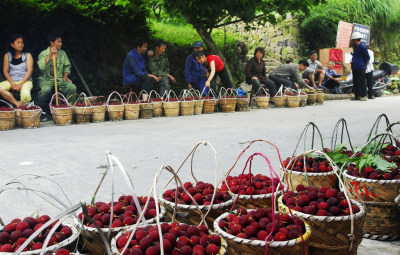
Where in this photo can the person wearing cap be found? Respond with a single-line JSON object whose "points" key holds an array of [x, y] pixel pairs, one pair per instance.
{"points": [[216, 66], [195, 73], [359, 64], [134, 69]]}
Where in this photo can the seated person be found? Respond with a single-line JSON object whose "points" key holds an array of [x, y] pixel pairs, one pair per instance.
{"points": [[195, 73], [256, 73], [289, 75], [63, 69], [134, 70], [216, 66], [9, 97], [159, 67], [332, 79], [18, 68], [315, 71]]}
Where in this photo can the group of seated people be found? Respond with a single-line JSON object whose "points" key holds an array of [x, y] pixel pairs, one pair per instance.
{"points": [[144, 70], [18, 69]]}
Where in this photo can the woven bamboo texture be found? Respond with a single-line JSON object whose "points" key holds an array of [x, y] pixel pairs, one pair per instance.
{"points": [[18, 120], [378, 190], [146, 110], [242, 104], [312, 99], [316, 180], [7, 120], [280, 101], [303, 100], [157, 108], [260, 201], [293, 101], [320, 97], [262, 102], [240, 246], [216, 106], [187, 108], [171, 109], [208, 106], [83, 115], [62, 116], [198, 107], [227, 104], [330, 234], [189, 214], [91, 240], [30, 118], [98, 113], [131, 111], [115, 112], [382, 221], [115, 250]]}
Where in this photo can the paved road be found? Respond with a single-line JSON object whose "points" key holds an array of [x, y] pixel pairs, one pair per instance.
{"points": [[74, 156]]}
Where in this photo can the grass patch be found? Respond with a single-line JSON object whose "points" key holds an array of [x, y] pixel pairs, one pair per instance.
{"points": [[184, 34]]}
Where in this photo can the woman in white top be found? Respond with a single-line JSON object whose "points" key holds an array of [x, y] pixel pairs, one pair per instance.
{"points": [[369, 72], [18, 68]]}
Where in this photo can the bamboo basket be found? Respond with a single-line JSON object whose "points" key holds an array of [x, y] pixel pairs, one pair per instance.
{"points": [[383, 190], [146, 110], [382, 221], [115, 112], [157, 102], [171, 105], [7, 118], [131, 107], [98, 113], [240, 246], [303, 99], [312, 98], [280, 98], [330, 234], [198, 102], [83, 114], [61, 116], [316, 180], [320, 97], [227, 100], [18, 120], [189, 214], [209, 106], [114, 247], [262, 98], [30, 118], [186, 103], [293, 101]]}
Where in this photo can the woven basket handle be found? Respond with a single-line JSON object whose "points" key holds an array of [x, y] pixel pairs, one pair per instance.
{"points": [[261, 90], [128, 97], [169, 95], [85, 99], [196, 93], [303, 135], [183, 94], [109, 97], [62, 99], [10, 105], [280, 91], [153, 92], [341, 124]]}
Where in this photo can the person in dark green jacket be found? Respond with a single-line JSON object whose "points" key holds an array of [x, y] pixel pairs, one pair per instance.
{"points": [[63, 69]]}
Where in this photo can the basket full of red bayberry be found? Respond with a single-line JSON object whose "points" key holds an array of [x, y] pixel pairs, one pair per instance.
{"points": [[83, 109], [30, 116], [336, 221], [7, 117], [115, 107], [61, 110], [252, 231]]}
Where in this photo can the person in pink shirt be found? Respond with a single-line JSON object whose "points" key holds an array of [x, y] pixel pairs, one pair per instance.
{"points": [[215, 66]]}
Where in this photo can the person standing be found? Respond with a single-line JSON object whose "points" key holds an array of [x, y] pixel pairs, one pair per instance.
{"points": [[255, 72], [369, 74], [358, 66], [18, 68], [159, 67], [134, 69], [216, 66], [195, 73], [46, 66]]}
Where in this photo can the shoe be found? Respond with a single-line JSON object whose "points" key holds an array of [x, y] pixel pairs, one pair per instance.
{"points": [[371, 97], [45, 117], [363, 99]]}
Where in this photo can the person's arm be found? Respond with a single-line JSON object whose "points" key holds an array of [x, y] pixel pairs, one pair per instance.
{"points": [[66, 67], [188, 74], [365, 55], [29, 67], [6, 69], [53, 51], [247, 69], [212, 73], [153, 72], [297, 76]]}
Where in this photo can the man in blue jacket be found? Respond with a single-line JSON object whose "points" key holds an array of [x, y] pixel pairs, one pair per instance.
{"points": [[358, 66], [134, 70], [195, 73]]}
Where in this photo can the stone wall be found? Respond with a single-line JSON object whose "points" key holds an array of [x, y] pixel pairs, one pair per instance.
{"points": [[281, 41]]}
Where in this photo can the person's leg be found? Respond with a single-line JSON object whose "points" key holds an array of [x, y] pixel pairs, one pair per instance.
{"points": [[321, 78], [25, 92], [281, 81], [311, 77], [5, 85], [225, 79], [164, 85], [9, 97], [44, 95], [271, 87], [255, 85], [369, 85], [67, 88], [360, 85]]}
